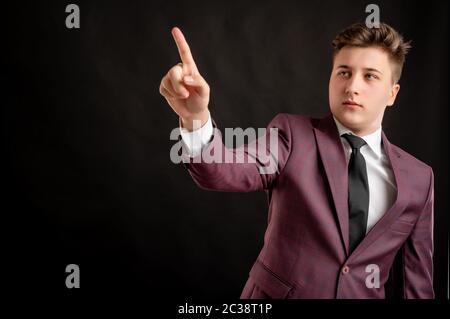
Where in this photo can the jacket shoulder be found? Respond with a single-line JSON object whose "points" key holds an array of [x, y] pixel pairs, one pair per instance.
{"points": [[294, 120], [414, 162]]}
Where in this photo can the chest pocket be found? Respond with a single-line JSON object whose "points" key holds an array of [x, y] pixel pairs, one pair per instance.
{"points": [[401, 226]]}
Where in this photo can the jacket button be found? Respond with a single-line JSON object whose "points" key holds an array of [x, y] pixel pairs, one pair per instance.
{"points": [[345, 270]]}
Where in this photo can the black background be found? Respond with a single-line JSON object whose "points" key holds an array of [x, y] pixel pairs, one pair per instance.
{"points": [[86, 133]]}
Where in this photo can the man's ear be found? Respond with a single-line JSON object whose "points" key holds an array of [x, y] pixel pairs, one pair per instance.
{"points": [[394, 91]]}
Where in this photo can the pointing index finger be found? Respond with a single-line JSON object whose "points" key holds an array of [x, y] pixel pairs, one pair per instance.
{"points": [[184, 51]]}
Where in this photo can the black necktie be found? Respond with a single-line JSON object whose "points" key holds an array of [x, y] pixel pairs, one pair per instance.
{"points": [[358, 192]]}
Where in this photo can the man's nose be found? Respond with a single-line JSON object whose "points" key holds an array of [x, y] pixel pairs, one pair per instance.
{"points": [[353, 85]]}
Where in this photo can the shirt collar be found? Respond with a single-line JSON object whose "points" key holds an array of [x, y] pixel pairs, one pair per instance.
{"points": [[373, 139]]}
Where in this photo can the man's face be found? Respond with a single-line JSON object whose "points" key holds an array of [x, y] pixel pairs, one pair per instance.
{"points": [[362, 76]]}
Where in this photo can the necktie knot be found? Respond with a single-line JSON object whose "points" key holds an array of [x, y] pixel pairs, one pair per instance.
{"points": [[354, 141]]}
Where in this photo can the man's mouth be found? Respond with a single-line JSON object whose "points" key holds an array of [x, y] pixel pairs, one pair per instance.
{"points": [[351, 103]]}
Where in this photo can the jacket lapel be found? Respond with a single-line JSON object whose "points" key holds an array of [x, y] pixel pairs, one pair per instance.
{"points": [[401, 179], [334, 162]]}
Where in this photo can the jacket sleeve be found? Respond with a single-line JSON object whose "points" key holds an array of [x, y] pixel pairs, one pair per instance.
{"points": [[417, 258], [250, 167]]}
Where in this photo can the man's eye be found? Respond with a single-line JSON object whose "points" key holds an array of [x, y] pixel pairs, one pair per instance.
{"points": [[343, 73], [371, 76]]}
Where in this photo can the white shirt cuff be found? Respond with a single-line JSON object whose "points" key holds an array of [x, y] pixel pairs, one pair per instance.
{"points": [[197, 139]]}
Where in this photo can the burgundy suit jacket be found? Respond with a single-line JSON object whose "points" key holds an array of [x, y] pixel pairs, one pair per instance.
{"points": [[305, 252]]}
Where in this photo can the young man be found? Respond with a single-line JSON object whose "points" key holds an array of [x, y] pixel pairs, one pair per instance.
{"points": [[343, 199]]}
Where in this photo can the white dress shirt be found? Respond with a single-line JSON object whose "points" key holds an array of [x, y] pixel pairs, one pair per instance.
{"points": [[382, 188]]}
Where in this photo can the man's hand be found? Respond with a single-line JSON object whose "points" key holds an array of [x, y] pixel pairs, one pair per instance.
{"points": [[184, 88]]}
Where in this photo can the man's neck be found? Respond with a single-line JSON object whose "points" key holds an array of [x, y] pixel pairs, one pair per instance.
{"points": [[360, 133]]}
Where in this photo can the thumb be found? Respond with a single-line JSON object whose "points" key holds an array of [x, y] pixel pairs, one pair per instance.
{"points": [[198, 83]]}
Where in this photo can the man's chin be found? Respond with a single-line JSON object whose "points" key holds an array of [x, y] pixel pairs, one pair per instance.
{"points": [[351, 121]]}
